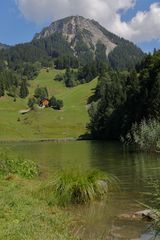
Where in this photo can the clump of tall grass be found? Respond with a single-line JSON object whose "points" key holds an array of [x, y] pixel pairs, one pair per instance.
{"points": [[145, 135], [76, 187], [18, 166]]}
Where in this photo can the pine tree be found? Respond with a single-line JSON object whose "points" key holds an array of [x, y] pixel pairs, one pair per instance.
{"points": [[2, 91], [24, 89]]}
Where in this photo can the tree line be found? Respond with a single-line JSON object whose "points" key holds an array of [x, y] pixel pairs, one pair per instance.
{"points": [[122, 99]]}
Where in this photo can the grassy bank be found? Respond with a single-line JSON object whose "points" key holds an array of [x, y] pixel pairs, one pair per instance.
{"points": [[23, 213], [33, 207], [25, 216], [47, 123]]}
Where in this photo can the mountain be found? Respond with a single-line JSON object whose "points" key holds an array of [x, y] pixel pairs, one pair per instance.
{"points": [[87, 39], [76, 29], [74, 41]]}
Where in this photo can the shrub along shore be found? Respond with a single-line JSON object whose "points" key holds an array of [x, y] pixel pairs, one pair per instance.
{"points": [[146, 136]]}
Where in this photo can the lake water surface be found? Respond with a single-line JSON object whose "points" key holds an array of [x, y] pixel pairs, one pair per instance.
{"points": [[134, 171]]}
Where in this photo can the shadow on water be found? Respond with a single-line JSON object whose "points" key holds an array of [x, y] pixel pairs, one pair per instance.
{"points": [[133, 169]]}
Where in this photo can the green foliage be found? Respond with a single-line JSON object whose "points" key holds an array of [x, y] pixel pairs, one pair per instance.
{"points": [[84, 74], [146, 135], [13, 92], [55, 104], [87, 72], [85, 54], [2, 90], [24, 89], [31, 102], [123, 99], [9, 79], [59, 105], [77, 187], [122, 56], [24, 53], [18, 166], [70, 78], [65, 61], [125, 55], [59, 78], [30, 70], [104, 117], [58, 49], [41, 93], [100, 53]]}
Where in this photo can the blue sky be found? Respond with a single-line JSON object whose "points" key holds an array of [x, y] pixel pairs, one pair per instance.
{"points": [[21, 19], [14, 28]]}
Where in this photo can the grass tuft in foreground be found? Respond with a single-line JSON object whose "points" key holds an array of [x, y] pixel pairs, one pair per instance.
{"points": [[76, 187]]}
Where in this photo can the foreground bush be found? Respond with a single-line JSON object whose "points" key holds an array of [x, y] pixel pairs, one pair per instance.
{"points": [[79, 188], [18, 166], [146, 135]]}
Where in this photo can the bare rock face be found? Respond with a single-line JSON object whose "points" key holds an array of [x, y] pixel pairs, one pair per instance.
{"points": [[78, 28]]}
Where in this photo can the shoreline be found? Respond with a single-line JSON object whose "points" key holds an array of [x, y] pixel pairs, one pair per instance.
{"points": [[84, 137], [57, 140], [40, 140]]}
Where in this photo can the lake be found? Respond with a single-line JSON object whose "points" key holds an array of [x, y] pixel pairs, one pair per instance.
{"points": [[134, 170]]}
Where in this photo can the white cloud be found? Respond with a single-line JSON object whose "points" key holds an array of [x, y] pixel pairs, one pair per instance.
{"points": [[144, 26]]}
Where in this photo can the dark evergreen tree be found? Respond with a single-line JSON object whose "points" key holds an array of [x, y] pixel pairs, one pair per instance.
{"points": [[55, 104], [123, 99], [2, 90], [52, 102], [24, 89], [70, 78], [31, 102]]}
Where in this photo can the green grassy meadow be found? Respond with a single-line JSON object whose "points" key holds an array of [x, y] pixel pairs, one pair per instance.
{"points": [[46, 123], [25, 216]]}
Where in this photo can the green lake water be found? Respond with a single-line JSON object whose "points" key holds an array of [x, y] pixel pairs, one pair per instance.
{"points": [[134, 171]]}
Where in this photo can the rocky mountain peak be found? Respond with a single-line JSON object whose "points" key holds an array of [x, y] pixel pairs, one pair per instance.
{"points": [[77, 28], [86, 40]]}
